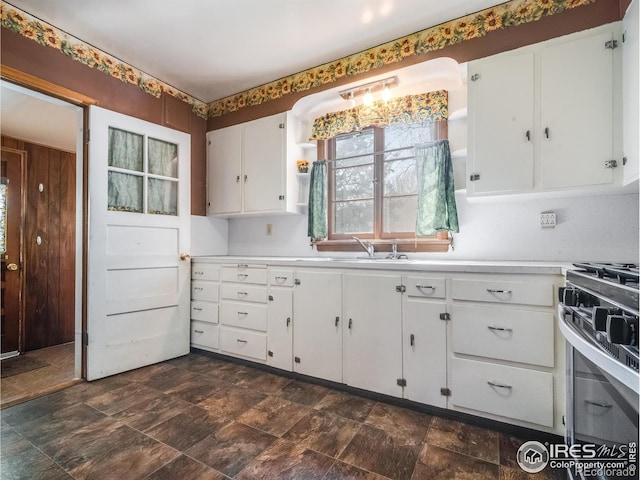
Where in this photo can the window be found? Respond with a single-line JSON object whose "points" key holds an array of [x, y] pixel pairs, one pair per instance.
{"points": [[372, 181]]}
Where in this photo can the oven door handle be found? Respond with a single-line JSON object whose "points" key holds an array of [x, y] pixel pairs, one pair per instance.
{"points": [[601, 405]]}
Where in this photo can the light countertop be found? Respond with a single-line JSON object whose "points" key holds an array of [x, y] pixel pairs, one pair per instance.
{"points": [[461, 266]]}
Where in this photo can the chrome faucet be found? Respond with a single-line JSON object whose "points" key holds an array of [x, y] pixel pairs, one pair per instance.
{"points": [[368, 247]]}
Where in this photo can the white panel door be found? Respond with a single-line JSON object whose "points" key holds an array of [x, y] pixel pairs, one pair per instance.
{"points": [[139, 213], [373, 332], [577, 113]]}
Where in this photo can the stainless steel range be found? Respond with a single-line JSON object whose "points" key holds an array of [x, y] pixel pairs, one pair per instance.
{"points": [[598, 313]]}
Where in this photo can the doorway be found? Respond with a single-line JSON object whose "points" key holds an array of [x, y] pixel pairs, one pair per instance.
{"points": [[42, 276]]}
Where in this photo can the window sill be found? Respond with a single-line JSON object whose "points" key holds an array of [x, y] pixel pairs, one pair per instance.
{"points": [[437, 243]]}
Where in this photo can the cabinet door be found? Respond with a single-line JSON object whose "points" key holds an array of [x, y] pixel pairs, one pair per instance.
{"points": [[317, 336], [576, 97], [501, 100], [264, 161], [372, 333], [630, 92], [424, 351], [280, 328], [224, 154]]}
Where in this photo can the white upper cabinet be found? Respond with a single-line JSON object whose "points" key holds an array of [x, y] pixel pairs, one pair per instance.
{"points": [[544, 117], [630, 92], [252, 167]]}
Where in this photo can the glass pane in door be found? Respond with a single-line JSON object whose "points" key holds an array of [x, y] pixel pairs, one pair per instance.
{"points": [[126, 150], [163, 197], [125, 192], [163, 158]]}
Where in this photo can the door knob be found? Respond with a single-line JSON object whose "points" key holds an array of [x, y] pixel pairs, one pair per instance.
{"points": [[184, 256], [12, 266]]}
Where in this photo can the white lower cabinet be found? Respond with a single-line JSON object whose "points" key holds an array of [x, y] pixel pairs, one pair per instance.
{"points": [[317, 335], [506, 391], [280, 320], [372, 330], [204, 306], [243, 343]]}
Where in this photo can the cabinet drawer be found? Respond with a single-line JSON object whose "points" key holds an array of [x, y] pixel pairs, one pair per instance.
{"points": [[244, 315], [282, 278], [204, 334], [202, 290], [246, 293], [244, 343], [498, 291], [504, 333], [205, 271], [204, 311], [512, 392], [424, 287], [245, 274]]}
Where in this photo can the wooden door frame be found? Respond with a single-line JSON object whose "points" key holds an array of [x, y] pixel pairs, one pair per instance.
{"points": [[78, 99], [22, 258]]}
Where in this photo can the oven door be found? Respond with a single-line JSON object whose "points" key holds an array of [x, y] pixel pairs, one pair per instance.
{"points": [[601, 408]]}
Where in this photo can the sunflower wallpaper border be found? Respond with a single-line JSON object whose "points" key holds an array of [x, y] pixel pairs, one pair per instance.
{"points": [[475, 25]]}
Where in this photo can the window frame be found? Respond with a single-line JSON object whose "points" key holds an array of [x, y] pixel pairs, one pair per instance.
{"points": [[406, 241]]}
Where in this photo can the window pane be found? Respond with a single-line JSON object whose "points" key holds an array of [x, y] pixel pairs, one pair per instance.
{"points": [[358, 144], [353, 217], [125, 192], [408, 135], [163, 197], [400, 177], [352, 183], [163, 158], [400, 214], [125, 150]]}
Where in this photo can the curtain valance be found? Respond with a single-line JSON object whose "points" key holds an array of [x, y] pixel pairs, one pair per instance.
{"points": [[425, 107]]}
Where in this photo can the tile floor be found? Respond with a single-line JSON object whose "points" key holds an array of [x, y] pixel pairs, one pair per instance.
{"points": [[58, 374], [198, 417]]}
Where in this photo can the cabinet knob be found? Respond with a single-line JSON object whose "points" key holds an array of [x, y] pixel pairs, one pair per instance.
{"points": [[237, 178]]}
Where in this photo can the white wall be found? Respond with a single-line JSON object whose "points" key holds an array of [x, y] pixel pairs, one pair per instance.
{"points": [[595, 228], [209, 236]]}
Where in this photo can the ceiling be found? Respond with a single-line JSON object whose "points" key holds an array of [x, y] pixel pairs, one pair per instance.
{"points": [[211, 49]]}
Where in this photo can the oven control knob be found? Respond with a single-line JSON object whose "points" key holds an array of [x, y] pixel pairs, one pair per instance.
{"points": [[570, 297], [600, 315], [622, 330]]}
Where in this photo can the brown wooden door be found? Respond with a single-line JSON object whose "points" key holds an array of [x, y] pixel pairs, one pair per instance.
{"points": [[13, 164]]}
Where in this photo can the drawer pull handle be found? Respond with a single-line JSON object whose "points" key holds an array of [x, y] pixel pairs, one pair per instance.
{"points": [[426, 287], [242, 275], [244, 294], [197, 309], [198, 273], [243, 313], [199, 331], [281, 279], [602, 405], [499, 385], [499, 329], [243, 265], [494, 290], [239, 340], [198, 288]]}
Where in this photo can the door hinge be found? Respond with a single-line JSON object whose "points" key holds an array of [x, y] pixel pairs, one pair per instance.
{"points": [[296, 359], [280, 197], [85, 338], [624, 36], [445, 316], [271, 298], [564, 420], [611, 44], [87, 135], [401, 382], [475, 77], [611, 164], [624, 160], [297, 281], [401, 288], [474, 178], [270, 353], [281, 125], [445, 391]]}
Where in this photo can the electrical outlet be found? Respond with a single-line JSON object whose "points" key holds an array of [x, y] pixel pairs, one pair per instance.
{"points": [[269, 228], [547, 220]]}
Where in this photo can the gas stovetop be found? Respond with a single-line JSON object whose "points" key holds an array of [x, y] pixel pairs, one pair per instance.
{"points": [[623, 273], [615, 282]]}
